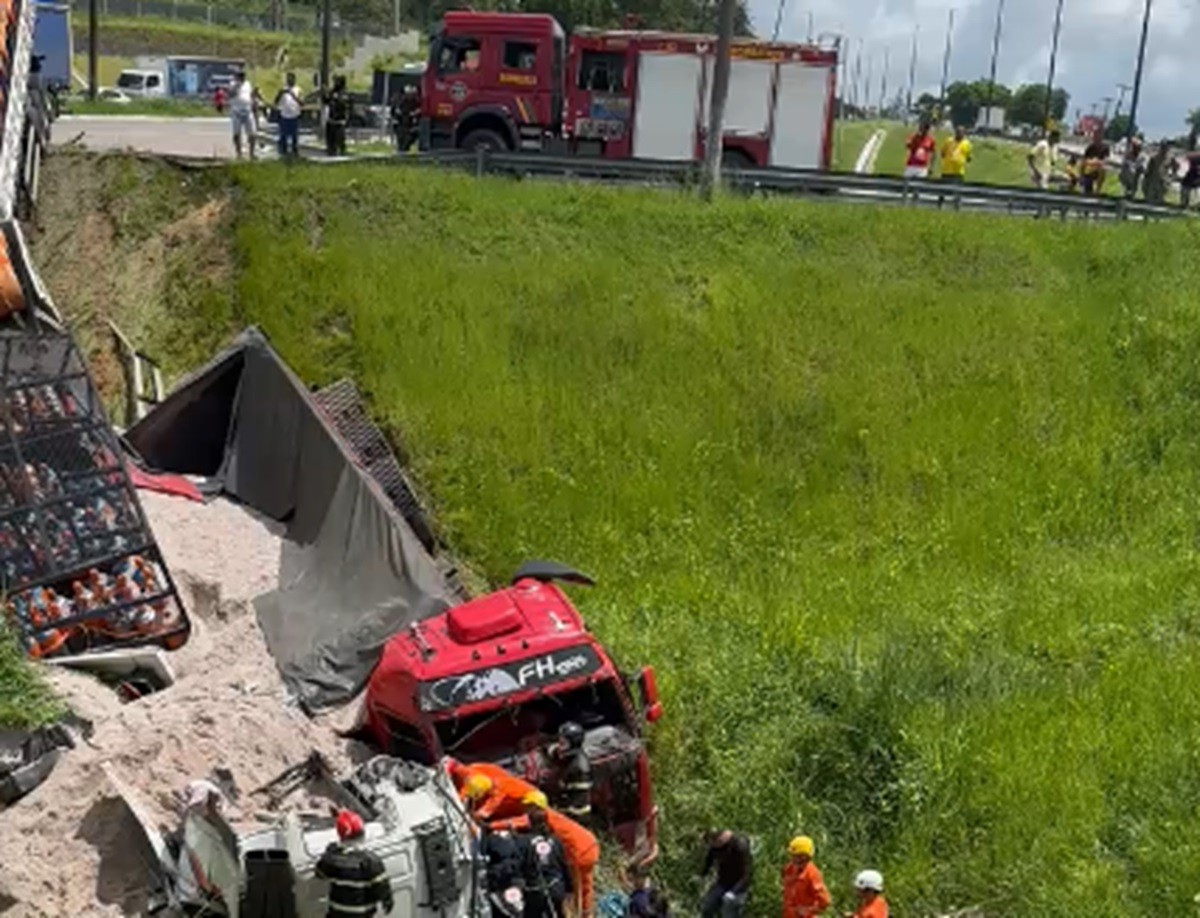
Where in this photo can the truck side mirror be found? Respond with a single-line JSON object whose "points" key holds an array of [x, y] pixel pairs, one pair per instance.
{"points": [[652, 709]]}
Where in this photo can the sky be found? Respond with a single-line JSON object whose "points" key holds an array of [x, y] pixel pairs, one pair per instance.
{"points": [[1097, 51]]}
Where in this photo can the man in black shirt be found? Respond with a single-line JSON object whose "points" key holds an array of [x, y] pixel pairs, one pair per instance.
{"points": [[337, 116], [547, 879], [358, 882], [730, 853]]}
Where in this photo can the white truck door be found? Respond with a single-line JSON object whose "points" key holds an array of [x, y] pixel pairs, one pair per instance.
{"points": [[668, 97], [801, 110]]}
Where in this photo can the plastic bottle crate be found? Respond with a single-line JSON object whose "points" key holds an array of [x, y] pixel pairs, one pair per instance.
{"points": [[78, 563]]}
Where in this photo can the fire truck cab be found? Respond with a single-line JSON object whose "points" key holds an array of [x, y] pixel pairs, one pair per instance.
{"points": [[492, 680], [506, 81]]}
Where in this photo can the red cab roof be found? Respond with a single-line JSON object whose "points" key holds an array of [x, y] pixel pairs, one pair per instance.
{"points": [[529, 23], [525, 620]]}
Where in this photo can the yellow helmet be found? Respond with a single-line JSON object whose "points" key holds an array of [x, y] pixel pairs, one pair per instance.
{"points": [[477, 786], [801, 845], [535, 798]]}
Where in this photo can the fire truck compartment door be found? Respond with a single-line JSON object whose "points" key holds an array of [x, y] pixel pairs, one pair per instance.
{"points": [[748, 105], [800, 116], [667, 100]]}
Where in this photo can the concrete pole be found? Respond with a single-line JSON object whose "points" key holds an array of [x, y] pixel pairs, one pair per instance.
{"points": [[711, 178]]}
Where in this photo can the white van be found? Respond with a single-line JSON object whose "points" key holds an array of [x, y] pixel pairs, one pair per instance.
{"points": [[145, 84]]}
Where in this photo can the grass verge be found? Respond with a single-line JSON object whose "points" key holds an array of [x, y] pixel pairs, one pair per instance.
{"points": [[901, 504]]}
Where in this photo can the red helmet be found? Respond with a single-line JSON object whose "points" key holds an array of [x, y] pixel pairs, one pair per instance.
{"points": [[349, 825]]}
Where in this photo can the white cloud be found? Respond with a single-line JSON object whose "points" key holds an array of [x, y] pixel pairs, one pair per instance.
{"points": [[1098, 47]]}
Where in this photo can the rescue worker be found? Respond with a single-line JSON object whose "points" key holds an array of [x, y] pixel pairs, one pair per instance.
{"points": [[804, 892], [547, 879], [574, 797], [358, 882], [730, 854], [475, 790], [405, 110], [871, 904]]}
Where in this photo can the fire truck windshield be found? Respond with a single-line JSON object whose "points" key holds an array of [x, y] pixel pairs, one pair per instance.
{"points": [[489, 735]]}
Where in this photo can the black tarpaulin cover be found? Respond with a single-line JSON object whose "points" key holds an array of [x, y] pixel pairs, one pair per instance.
{"points": [[352, 571]]}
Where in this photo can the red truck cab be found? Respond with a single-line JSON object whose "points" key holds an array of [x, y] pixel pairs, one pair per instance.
{"points": [[494, 679], [493, 80]]}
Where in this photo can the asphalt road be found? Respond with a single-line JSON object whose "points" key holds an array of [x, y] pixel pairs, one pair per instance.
{"points": [[205, 138]]}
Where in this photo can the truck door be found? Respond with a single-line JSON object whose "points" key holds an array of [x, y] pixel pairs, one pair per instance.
{"points": [[527, 82], [457, 64], [668, 105]]}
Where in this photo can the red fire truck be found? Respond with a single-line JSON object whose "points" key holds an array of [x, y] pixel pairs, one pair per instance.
{"points": [[515, 81], [492, 680]]}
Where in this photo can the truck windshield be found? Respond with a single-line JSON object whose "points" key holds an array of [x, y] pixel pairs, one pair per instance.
{"points": [[130, 81], [489, 735]]}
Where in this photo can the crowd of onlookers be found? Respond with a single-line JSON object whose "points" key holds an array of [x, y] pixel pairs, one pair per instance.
{"points": [[1150, 173]]}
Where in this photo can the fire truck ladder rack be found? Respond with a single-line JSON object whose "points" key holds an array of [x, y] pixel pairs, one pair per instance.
{"points": [[852, 187], [79, 566]]}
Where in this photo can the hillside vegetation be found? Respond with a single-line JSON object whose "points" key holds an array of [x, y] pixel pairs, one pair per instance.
{"points": [[901, 505]]}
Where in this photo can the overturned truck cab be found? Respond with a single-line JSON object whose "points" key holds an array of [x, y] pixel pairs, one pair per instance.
{"points": [[495, 678]]}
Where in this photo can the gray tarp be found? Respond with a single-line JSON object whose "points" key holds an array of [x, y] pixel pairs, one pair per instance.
{"points": [[353, 572]]}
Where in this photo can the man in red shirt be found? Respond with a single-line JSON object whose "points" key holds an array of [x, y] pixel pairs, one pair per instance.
{"points": [[804, 892], [920, 148]]}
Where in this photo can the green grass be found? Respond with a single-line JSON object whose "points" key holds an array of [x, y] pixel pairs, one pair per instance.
{"points": [[848, 140], [25, 699], [173, 108], [902, 506]]}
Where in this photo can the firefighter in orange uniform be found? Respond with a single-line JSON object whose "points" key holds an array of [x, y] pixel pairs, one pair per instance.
{"points": [[871, 904], [804, 892]]}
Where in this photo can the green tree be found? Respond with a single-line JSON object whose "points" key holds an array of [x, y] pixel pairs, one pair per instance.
{"points": [[1028, 105], [966, 100], [1117, 127]]}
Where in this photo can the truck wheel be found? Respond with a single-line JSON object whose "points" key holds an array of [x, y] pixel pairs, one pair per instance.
{"points": [[736, 159], [484, 139]]}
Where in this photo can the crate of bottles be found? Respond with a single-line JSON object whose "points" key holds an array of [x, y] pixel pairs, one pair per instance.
{"points": [[79, 566]]}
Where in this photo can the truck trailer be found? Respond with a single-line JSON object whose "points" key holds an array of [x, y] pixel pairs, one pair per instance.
{"points": [[517, 81]]}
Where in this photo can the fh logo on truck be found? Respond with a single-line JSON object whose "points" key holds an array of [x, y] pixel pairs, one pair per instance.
{"points": [[518, 676]]}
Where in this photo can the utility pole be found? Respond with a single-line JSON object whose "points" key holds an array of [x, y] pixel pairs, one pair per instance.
{"points": [[711, 179], [883, 81], [995, 58], [93, 51], [912, 77], [1053, 61], [810, 27], [858, 73], [395, 17], [778, 20], [946, 65], [869, 80], [1137, 77], [326, 25]]}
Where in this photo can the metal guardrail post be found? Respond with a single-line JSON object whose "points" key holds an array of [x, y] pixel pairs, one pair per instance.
{"points": [[480, 159]]}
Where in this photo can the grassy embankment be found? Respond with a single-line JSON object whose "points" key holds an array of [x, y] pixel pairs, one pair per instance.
{"points": [[902, 505]]}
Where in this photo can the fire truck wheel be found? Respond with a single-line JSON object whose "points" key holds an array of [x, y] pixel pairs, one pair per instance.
{"points": [[483, 139], [736, 159]]}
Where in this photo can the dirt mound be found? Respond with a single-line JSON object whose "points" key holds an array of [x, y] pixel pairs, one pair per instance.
{"points": [[74, 843]]}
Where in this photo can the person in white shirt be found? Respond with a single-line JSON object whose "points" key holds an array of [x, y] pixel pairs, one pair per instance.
{"points": [[1042, 158], [241, 113], [288, 104]]}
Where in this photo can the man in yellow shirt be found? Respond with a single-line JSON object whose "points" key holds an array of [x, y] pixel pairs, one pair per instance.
{"points": [[956, 153]]}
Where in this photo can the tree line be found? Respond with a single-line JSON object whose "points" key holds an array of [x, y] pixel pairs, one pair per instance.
{"points": [[1023, 107]]}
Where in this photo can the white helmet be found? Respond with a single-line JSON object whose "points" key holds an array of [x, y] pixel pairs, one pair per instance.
{"points": [[869, 879]]}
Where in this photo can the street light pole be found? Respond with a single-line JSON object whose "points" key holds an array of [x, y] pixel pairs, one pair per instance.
{"points": [[1053, 61], [883, 82], [711, 177], [1108, 101], [93, 51], [858, 73], [1122, 88], [326, 24], [912, 77], [995, 57], [946, 64], [1137, 77], [778, 20]]}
